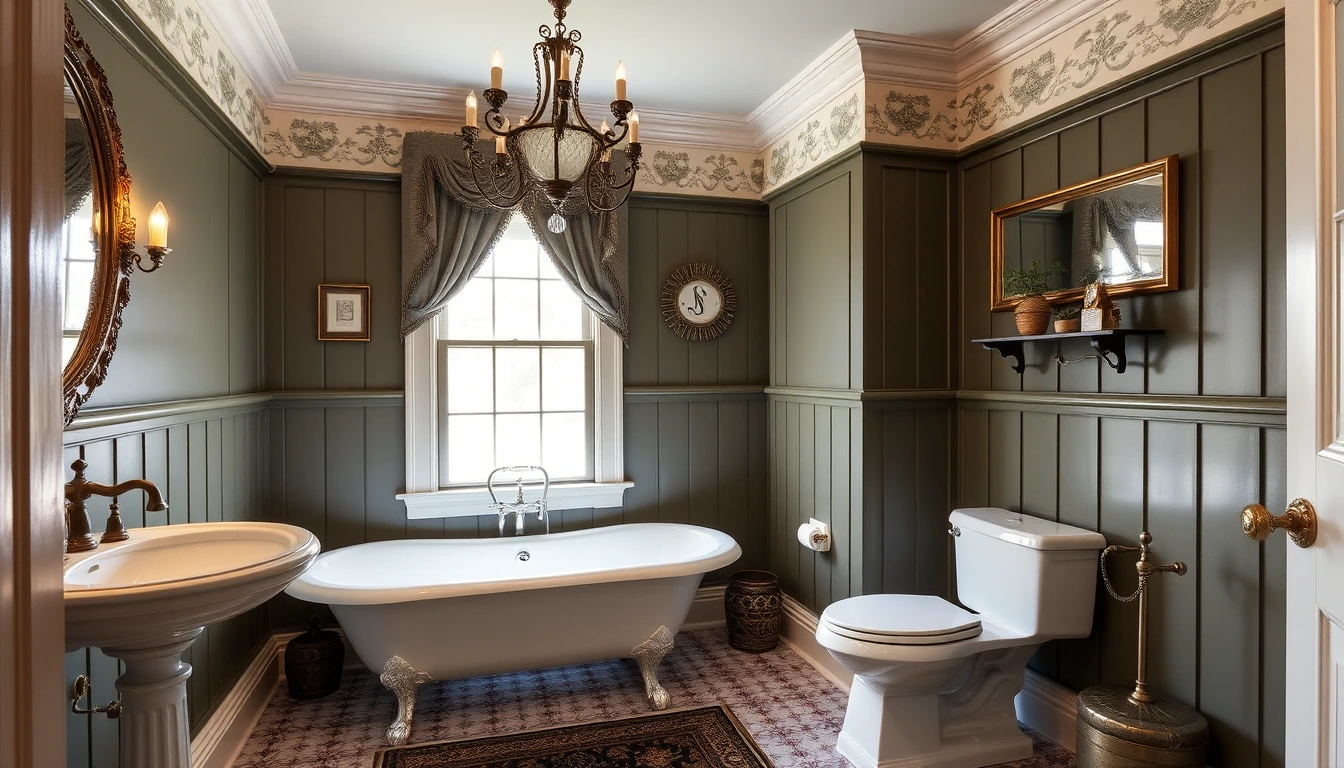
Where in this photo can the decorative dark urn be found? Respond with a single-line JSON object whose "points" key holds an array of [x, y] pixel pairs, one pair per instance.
{"points": [[752, 605], [313, 662]]}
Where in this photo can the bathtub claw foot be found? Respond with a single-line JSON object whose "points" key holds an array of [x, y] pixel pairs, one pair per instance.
{"points": [[403, 680], [649, 654]]}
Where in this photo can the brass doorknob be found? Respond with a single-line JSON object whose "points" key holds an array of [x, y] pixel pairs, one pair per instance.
{"points": [[1299, 521]]}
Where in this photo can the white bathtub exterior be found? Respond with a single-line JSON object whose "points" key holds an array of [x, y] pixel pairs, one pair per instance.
{"points": [[458, 608]]}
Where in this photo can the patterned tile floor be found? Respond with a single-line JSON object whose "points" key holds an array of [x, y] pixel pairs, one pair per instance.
{"points": [[792, 711]]}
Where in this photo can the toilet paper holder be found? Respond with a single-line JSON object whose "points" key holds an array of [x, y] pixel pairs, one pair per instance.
{"points": [[815, 535]]}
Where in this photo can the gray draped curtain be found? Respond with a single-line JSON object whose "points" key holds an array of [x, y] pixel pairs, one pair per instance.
{"points": [[1113, 211], [448, 230], [78, 167]]}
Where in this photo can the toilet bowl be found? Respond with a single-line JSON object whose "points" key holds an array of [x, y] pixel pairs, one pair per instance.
{"points": [[934, 682]]}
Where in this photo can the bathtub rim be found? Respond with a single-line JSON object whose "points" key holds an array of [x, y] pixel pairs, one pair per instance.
{"points": [[308, 588]]}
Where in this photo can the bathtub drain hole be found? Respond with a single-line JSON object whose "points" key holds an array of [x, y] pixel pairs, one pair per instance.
{"points": [[524, 555]]}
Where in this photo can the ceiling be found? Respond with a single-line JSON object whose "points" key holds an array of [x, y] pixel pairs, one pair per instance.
{"points": [[707, 56]]}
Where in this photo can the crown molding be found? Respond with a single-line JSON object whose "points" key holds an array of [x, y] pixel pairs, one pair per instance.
{"points": [[250, 31], [909, 61], [832, 73], [252, 34], [1015, 30]]}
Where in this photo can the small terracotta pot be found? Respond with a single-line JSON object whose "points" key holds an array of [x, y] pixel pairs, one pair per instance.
{"points": [[1068, 325], [1033, 315]]}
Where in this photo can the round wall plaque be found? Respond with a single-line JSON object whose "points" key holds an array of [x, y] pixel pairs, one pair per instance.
{"points": [[698, 302]]}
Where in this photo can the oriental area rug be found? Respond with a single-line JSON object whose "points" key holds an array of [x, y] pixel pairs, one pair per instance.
{"points": [[701, 737]]}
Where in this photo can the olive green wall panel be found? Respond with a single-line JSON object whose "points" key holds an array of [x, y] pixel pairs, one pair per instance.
{"points": [[191, 328], [1216, 637], [695, 413], [208, 470]]}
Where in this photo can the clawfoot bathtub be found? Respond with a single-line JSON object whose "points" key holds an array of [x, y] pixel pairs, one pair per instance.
{"points": [[446, 609]]}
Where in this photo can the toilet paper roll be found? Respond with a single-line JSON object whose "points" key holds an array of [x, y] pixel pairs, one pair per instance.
{"points": [[814, 537]]}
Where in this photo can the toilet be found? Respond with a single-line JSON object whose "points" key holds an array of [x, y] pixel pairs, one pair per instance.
{"points": [[934, 682]]}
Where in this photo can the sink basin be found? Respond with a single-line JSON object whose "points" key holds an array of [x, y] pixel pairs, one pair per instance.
{"points": [[173, 579], [145, 600]]}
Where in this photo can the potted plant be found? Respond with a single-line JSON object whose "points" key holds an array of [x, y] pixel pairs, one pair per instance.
{"points": [[1067, 318], [1033, 311]]}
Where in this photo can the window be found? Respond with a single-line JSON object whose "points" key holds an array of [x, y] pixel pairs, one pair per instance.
{"points": [[77, 265], [517, 352], [514, 371]]}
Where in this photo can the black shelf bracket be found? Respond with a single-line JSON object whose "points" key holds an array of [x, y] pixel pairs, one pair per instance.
{"points": [[1110, 345]]}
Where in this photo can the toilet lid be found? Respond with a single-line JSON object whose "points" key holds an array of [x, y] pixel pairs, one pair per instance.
{"points": [[901, 619]]}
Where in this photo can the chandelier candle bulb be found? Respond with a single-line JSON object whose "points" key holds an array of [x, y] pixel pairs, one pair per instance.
{"points": [[471, 109], [499, 145], [620, 81], [564, 65], [497, 70], [634, 127], [158, 226]]}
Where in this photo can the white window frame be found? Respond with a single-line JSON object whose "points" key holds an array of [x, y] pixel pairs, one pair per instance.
{"points": [[424, 496]]}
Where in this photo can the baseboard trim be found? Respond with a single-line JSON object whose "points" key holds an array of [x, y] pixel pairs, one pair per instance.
{"points": [[1043, 705], [707, 610], [1050, 709], [221, 738], [799, 632]]}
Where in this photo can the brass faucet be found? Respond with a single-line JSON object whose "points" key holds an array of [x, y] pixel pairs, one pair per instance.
{"points": [[78, 491]]}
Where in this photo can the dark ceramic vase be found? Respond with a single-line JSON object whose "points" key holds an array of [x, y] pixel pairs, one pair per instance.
{"points": [[752, 605], [313, 662]]}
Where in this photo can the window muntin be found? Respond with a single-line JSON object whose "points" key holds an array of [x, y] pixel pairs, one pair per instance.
{"points": [[516, 350]]}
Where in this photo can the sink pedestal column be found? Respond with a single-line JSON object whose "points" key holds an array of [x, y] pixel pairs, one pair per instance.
{"points": [[155, 730]]}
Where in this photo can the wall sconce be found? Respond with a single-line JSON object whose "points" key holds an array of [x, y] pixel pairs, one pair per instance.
{"points": [[158, 239]]}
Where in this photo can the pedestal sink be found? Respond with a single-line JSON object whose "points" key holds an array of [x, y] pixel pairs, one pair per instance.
{"points": [[145, 600]]}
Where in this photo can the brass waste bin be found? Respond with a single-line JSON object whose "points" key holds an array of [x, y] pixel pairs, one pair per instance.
{"points": [[1115, 731]]}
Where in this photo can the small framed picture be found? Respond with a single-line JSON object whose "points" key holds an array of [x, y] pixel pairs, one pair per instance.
{"points": [[342, 312]]}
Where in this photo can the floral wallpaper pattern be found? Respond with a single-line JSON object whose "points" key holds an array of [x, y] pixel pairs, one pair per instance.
{"points": [[818, 138], [322, 140], [1130, 36], [191, 39], [716, 172]]}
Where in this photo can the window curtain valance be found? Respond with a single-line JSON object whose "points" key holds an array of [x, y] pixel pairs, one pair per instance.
{"points": [[449, 229]]}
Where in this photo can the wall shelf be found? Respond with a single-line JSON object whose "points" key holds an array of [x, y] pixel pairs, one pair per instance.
{"points": [[1110, 345]]}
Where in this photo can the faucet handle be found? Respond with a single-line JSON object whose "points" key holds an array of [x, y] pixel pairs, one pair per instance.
{"points": [[79, 465]]}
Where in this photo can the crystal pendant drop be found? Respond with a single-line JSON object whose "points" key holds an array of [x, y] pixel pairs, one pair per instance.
{"points": [[556, 223]]}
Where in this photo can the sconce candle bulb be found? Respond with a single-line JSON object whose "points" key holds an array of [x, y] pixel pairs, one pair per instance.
{"points": [[620, 81], [497, 69], [158, 226], [634, 127]]}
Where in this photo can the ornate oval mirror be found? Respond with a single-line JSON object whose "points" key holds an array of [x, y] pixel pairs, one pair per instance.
{"points": [[98, 236]]}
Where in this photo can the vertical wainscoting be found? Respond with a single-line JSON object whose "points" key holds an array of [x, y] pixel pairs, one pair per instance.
{"points": [[861, 399], [209, 464], [695, 413], [1194, 430]]}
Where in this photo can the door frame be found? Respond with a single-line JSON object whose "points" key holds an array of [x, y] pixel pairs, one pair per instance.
{"points": [[32, 625], [1309, 59]]}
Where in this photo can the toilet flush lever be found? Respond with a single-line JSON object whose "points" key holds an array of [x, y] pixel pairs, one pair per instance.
{"points": [[954, 531]]}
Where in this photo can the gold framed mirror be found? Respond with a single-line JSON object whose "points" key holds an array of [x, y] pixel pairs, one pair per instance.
{"points": [[1120, 229], [98, 236]]}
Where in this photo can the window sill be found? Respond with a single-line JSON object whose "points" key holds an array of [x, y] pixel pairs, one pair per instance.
{"points": [[473, 502]]}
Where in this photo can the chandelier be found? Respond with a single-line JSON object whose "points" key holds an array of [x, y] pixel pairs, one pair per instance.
{"points": [[554, 149]]}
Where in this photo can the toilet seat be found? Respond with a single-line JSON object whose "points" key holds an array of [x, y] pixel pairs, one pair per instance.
{"points": [[900, 620]]}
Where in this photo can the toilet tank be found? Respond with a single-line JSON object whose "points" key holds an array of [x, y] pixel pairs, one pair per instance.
{"points": [[1033, 576]]}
